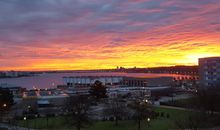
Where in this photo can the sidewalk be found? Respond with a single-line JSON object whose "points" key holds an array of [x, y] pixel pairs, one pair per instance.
{"points": [[10, 127], [178, 108]]}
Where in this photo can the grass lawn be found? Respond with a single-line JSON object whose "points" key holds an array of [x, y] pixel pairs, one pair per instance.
{"points": [[168, 123], [186, 103], [162, 123]]}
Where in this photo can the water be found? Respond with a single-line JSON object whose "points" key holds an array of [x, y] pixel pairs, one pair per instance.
{"points": [[51, 80]]}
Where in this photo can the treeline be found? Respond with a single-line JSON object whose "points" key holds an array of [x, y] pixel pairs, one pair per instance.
{"points": [[189, 70]]}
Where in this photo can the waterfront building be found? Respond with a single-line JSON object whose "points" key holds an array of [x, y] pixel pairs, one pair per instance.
{"points": [[16, 90], [147, 82], [86, 81], [136, 86]]}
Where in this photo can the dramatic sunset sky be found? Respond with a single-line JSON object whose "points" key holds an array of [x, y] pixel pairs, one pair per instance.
{"points": [[92, 34]]}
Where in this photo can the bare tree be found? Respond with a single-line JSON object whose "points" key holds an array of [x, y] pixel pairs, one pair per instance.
{"points": [[6, 102], [208, 100], [77, 112], [207, 105], [142, 111], [116, 108]]}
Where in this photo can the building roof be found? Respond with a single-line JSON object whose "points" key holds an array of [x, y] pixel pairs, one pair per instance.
{"points": [[210, 58], [43, 102]]}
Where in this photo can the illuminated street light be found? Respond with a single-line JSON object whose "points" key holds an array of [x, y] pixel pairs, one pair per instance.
{"points": [[4, 105], [25, 118], [148, 119], [148, 122]]}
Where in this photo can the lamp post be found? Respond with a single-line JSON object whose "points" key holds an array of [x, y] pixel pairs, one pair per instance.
{"points": [[4, 111], [146, 101], [148, 119], [35, 124], [25, 118], [4, 105], [26, 121], [148, 122]]}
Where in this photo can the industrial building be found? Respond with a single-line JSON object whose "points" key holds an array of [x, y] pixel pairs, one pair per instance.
{"points": [[118, 84], [86, 81], [147, 82]]}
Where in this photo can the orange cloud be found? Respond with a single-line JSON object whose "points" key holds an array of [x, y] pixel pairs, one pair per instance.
{"points": [[101, 35]]}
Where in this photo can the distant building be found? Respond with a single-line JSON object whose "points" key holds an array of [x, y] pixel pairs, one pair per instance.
{"points": [[209, 71], [86, 81], [136, 86], [11, 73], [147, 82], [16, 90]]}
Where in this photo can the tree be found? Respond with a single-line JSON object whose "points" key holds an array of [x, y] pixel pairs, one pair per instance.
{"points": [[6, 101], [116, 109], [98, 90], [77, 112], [142, 111], [207, 100], [207, 107]]}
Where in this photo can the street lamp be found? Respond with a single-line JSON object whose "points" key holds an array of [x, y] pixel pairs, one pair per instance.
{"points": [[35, 124], [148, 122], [4, 105], [146, 101], [2, 110], [25, 121]]}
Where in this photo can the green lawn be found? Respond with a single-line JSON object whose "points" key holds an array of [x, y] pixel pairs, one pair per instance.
{"points": [[164, 123], [161, 123], [185, 103]]}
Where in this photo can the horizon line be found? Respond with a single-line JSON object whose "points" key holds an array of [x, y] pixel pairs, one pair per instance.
{"points": [[134, 67]]}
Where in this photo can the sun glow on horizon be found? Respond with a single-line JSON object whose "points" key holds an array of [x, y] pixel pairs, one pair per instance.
{"points": [[85, 35], [193, 58], [188, 60]]}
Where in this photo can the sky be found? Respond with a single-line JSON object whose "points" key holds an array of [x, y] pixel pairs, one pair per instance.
{"points": [[103, 34]]}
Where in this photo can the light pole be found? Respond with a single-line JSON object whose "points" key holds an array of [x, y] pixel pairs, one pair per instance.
{"points": [[148, 122], [35, 124], [4, 111], [26, 121], [4, 105], [25, 118], [146, 101]]}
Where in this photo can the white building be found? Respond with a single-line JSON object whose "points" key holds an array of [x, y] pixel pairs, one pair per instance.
{"points": [[84, 81]]}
